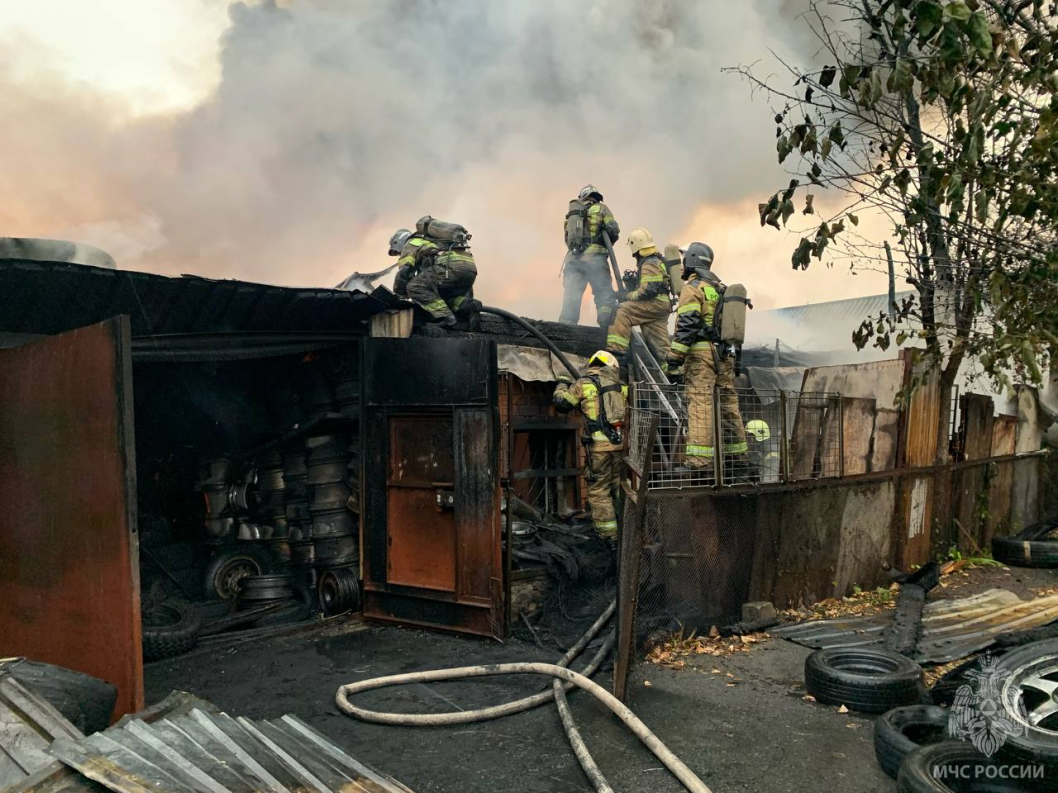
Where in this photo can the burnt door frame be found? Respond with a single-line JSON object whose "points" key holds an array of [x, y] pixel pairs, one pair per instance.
{"points": [[454, 380]]}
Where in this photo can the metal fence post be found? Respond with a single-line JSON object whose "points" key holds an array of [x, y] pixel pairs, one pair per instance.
{"points": [[718, 439], [841, 437], [784, 448]]}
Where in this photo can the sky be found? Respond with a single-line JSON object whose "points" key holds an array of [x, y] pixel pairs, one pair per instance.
{"points": [[285, 142]]}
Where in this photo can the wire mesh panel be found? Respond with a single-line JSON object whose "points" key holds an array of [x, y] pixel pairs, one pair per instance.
{"points": [[727, 437]]}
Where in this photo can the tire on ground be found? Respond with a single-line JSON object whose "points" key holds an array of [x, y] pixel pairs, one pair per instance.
{"points": [[900, 731], [863, 679], [1034, 744], [1028, 548], [222, 573], [958, 758], [170, 629], [87, 702]]}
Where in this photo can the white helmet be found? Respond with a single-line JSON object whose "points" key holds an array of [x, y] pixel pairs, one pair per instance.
{"points": [[589, 191], [604, 358], [639, 240], [396, 242]]}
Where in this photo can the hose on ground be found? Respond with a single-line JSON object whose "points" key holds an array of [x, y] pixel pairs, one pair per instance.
{"points": [[496, 711], [580, 749], [651, 741], [499, 312]]}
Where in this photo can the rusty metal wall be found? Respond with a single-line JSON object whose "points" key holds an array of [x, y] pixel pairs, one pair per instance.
{"points": [[69, 573]]}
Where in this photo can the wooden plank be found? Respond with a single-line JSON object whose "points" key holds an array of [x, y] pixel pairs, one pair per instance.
{"points": [[975, 432], [883, 445], [1004, 435], [1000, 497], [857, 421], [69, 571], [921, 419], [865, 542]]}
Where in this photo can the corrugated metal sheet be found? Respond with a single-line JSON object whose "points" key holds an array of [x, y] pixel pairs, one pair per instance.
{"points": [[951, 629], [52, 297], [28, 725], [202, 752], [854, 309]]}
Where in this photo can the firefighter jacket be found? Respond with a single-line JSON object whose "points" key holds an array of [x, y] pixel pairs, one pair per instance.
{"points": [[599, 218], [586, 395], [694, 317], [410, 261], [652, 280]]}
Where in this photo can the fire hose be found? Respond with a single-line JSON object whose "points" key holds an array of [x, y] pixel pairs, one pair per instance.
{"points": [[564, 680], [507, 315]]}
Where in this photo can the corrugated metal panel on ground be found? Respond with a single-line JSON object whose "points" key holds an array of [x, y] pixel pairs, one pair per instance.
{"points": [[203, 752], [50, 297], [951, 629], [28, 724]]}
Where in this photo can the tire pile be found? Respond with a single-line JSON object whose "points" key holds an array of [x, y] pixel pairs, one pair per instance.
{"points": [[1036, 546], [1008, 707]]}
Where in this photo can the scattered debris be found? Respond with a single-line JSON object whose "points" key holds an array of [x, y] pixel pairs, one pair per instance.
{"points": [[673, 651]]}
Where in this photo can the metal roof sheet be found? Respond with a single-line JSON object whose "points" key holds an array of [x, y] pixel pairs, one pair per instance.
{"points": [[951, 629], [52, 297], [28, 724]]}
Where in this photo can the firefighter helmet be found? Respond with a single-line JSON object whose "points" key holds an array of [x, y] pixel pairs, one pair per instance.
{"points": [[589, 191], [604, 358], [640, 240], [759, 429], [397, 241], [697, 258]]}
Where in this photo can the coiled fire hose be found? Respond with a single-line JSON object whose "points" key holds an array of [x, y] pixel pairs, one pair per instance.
{"points": [[565, 679]]}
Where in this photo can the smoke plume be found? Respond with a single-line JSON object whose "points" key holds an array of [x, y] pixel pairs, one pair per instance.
{"points": [[336, 122]]}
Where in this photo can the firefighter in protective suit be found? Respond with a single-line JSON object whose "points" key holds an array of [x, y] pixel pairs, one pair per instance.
{"points": [[587, 265], [647, 304], [438, 276], [697, 358], [601, 398]]}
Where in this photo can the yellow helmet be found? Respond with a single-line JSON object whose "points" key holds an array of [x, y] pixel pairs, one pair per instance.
{"points": [[604, 358], [759, 430], [639, 240]]}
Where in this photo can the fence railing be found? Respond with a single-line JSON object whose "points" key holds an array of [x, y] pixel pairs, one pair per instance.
{"points": [[726, 437]]}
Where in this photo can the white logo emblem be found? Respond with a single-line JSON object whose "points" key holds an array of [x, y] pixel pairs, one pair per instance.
{"points": [[977, 715]]}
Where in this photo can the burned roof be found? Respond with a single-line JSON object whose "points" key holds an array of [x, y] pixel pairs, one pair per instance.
{"points": [[52, 297]]}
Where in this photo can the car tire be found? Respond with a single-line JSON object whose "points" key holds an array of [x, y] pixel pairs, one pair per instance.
{"points": [[1021, 700], [863, 679], [87, 702], [231, 565], [1028, 548], [917, 771], [900, 731], [943, 691], [170, 628]]}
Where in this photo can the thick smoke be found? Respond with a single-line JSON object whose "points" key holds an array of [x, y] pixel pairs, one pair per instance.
{"points": [[335, 122]]}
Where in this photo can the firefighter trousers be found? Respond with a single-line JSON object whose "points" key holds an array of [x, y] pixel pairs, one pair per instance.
{"points": [[442, 289], [580, 271], [701, 377], [652, 316], [604, 486]]}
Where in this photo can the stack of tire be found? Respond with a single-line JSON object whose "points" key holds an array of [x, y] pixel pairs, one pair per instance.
{"points": [[1036, 546], [299, 521], [214, 483], [271, 490], [1015, 716], [290, 600]]}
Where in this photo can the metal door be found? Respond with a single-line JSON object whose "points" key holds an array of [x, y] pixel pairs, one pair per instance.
{"points": [[430, 529], [69, 569]]}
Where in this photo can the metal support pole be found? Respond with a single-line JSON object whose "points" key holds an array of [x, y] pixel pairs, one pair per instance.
{"points": [[718, 448], [841, 437], [784, 447]]}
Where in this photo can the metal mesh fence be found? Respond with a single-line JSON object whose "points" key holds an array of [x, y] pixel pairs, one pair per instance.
{"points": [[709, 437]]}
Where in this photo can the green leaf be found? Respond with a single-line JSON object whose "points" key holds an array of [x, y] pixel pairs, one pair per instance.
{"points": [[837, 134], [980, 35], [855, 221], [951, 44], [876, 87], [928, 16], [900, 78], [809, 209], [902, 180], [783, 147], [957, 10], [824, 151], [826, 77], [787, 210]]}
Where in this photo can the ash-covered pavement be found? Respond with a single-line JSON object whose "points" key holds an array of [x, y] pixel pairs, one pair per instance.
{"points": [[749, 731]]}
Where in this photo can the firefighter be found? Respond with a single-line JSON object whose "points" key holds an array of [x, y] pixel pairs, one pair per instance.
{"points": [[586, 260], [647, 303], [697, 358], [602, 399], [438, 275], [763, 452]]}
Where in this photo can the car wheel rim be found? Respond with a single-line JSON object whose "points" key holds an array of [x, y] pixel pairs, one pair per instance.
{"points": [[232, 573], [1030, 695]]}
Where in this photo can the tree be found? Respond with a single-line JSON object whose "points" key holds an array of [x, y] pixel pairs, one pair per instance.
{"points": [[943, 117]]}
